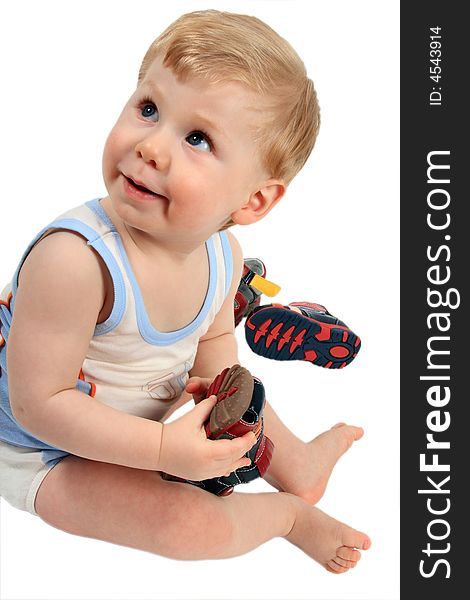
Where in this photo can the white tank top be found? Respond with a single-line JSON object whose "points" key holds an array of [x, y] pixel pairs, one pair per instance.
{"points": [[129, 365]]}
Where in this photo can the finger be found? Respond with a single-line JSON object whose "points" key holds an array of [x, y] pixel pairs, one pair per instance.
{"points": [[242, 445], [243, 462], [203, 409], [197, 387], [232, 450], [239, 464], [195, 384]]}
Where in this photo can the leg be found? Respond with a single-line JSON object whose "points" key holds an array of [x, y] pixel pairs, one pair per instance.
{"points": [[138, 509], [297, 467], [303, 468]]}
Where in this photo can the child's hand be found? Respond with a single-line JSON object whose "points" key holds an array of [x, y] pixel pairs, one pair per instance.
{"points": [[186, 451]]}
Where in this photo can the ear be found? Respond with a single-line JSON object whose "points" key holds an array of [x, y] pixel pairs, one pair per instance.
{"points": [[260, 203]]}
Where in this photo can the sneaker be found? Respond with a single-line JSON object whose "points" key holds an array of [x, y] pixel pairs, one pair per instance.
{"points": [[239, 409], [301, 331], [252, 284]]}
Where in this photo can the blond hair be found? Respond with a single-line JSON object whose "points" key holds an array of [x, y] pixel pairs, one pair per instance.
{"points": [[226, 47]]}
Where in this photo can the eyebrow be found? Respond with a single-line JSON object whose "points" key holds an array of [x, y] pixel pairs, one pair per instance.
{"points": [[205, 121]]}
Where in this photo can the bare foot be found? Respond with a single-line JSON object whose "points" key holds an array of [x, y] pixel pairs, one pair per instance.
{"points": [[328, 541], [324, 452], [316, 461]]}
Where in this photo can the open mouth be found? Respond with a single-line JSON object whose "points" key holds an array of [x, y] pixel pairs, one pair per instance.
{"points": [[140, 187]]}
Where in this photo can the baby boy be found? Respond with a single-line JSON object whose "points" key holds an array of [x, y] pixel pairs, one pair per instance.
{"points": [[122, 309]]}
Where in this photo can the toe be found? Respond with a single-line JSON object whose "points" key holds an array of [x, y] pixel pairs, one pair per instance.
{"points": [[348, 564], [352, 432], [328, 568], [355, 432], [348, 554], [355, 539], [334, 567]]}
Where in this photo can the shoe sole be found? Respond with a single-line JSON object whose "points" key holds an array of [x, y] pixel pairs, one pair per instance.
{"points": [[234, 398], [282, 334]]}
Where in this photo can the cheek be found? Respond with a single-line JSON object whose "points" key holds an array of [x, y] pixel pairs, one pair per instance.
{"points": [[190, 184], [193, 201], [113, 151], [113, 143]]}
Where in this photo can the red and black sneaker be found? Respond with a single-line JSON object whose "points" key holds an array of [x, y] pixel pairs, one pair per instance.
{"points": [[239, 409], [301, 331]]}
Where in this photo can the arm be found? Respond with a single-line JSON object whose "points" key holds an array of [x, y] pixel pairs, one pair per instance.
{"points": [[59, 298], [218, 347]]}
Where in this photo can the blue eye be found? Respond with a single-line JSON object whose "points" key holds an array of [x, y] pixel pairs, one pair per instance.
{"points": [[149, 111], [199, 140]]}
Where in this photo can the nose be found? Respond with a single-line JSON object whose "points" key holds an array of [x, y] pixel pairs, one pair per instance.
{"points": [[154, 148]]}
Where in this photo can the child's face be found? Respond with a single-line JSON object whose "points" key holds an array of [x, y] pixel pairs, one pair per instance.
{"points": [[190, 143]]}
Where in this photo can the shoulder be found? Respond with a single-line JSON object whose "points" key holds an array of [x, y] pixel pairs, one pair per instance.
{"points": [[63, 250], [63, 263], [234, 243]]}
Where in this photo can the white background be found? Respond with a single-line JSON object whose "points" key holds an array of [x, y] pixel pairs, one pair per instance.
{"points": [[67, 69]]}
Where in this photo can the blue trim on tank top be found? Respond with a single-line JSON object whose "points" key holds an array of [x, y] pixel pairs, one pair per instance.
{"points": [[228, 260], [148, 332]]}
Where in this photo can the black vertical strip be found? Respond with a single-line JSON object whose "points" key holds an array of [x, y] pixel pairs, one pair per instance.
{"points": [[435, 328]]}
